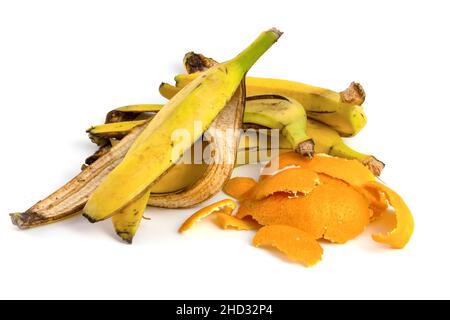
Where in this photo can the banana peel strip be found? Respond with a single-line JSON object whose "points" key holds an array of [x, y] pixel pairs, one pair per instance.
{"points": [[70, 199]]}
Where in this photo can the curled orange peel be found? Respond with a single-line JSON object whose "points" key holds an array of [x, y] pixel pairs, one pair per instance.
{"points": [[226, 221], [238, 187], [351, 171], [399, 236], [293, 181], [226, 206], [296, 244]]}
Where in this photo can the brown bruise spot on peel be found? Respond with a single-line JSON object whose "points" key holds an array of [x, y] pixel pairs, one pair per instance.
{"points": [[196, 62], [306, 148], [374, 165], [354, 94]]}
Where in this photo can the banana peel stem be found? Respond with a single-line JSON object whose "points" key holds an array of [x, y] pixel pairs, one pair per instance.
{"points": [[354, 94], [374, 165], [306, 148]]}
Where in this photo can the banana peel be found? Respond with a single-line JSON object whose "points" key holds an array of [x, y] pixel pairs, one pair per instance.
{"points": [[70, 199], [340, 110], [259, 115], [222, 162], [281, 113], [156, 150]]}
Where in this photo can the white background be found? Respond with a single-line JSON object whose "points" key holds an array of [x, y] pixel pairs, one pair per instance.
{"points": [[64, 64]]}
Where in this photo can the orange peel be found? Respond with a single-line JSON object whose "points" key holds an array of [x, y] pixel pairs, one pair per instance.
{"points": [[351, 171], [296, 244], [333, 211], [238, 187], [282, 161], [376, 198], [226, 221], [226, 205], [399, 236], [293, 181], [377, 201]]}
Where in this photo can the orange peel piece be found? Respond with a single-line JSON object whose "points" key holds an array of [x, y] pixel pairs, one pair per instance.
{"points": [[226, 221], [282, 161], [399, 236], [226, 205], [293, 181], [238, 187], [351, 171], [377, 200], [296, 244], [333, 210]]}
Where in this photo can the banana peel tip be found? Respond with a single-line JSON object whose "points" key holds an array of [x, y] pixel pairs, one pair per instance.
{"points": [[374, 165], [354, 94], [126, 237], [89, 218], [24, 220]]}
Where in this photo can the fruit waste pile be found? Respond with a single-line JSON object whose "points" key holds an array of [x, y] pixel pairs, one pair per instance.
{"points": [[313, 187]]}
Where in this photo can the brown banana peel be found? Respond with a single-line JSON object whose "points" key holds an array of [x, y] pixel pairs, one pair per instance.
{"points": [[70, 199]]}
